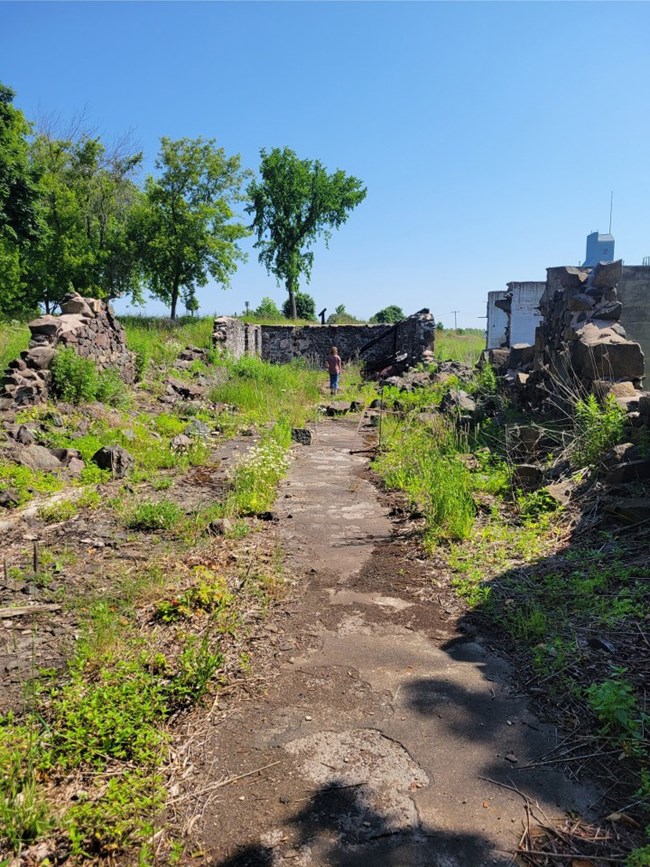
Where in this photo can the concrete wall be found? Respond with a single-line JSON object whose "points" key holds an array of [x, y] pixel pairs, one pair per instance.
{"points": [[497, 321], [524, 312], [634, 294]]}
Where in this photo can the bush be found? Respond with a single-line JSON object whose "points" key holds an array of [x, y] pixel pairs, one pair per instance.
{"points": [[389, 315], [305, 307], [149, 516], [598, 428], [77, 380]]}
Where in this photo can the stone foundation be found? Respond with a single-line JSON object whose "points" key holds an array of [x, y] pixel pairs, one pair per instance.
{"points": [[89, 326], [412, 338]]}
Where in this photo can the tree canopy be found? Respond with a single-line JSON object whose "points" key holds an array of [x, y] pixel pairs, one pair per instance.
{"points": [[303, 307], [389, 315], [295, 203], [186, 222], [19, 226]]}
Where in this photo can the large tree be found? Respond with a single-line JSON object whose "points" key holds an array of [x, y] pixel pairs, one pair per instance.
{"points": [[187, 225], [19, 226], [86, 200], [389, 315], [295, 203]]}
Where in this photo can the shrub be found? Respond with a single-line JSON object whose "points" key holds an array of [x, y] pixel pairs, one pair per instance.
{"points": [[149, 516], [598, 428], [305, 307], [77, 380]]}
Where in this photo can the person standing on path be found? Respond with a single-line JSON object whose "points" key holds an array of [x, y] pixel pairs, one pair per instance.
{"points": [[334, 365]]}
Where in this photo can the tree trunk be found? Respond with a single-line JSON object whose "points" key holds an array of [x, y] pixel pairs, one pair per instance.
{"points": [[175, 291], [292, 300]]}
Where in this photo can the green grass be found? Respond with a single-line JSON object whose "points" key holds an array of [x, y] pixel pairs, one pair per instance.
{"points": [[264, 392], [14, 338], [464, 345], [425, 463], [160, 341]]}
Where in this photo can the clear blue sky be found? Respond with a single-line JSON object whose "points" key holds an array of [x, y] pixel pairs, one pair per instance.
{"points": [[489, 135]]}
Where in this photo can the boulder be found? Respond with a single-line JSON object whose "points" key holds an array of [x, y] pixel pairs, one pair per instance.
{"points": [[24, 436], [184, 389], [458, 401], [521, 355], [301, 435], [610, 310], [180, 443], [498, 358], [605, 275], [75, 303], [528, 476], [632, 510], [630, 471], [602, 387], [114, 458], [580, 302], [8, 499], [560, 492], [37, 458], [338, 407], [39, 357], [198, 429]]}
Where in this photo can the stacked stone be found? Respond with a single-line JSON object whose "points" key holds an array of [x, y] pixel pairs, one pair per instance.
{"points": [[413, 338], [89, 326], [580, 336]]}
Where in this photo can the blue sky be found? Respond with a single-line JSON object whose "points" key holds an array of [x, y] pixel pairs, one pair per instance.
{"points": [[489, 135]]}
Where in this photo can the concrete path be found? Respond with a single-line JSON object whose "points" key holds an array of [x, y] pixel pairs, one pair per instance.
{"points": [[383, 726]]}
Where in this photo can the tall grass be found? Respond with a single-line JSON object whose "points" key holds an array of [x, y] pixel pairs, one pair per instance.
{"points": [[465, 346], [265, 392], [13, 339], [161, 340], [424, 462]]}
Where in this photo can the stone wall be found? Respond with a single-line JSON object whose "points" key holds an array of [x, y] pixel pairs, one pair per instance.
{"points": [[89, 326], [236, 338], [581, 333], [580, 348], [412, 338]]}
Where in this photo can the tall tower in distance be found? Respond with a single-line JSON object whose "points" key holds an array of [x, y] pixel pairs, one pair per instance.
{"points": [[600, 248]]}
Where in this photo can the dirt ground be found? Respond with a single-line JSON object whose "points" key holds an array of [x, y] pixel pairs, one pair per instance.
{"points": [[377, 733]]}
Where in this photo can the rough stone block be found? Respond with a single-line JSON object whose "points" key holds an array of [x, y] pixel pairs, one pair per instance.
{"points": [[301, 435]]}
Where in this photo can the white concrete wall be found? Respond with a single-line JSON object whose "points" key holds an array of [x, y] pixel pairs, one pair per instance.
{"points": [[497, 321], [525, 315]]}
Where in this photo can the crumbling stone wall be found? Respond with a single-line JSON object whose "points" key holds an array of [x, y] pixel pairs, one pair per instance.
{"points": [[581, 347], [412, 338], [581, 333], [235, 337], [89, 326]]}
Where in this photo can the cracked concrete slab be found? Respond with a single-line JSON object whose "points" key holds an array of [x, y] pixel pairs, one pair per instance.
{"points": [[390, 744]]}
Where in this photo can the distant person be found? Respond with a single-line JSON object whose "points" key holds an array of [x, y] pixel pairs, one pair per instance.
{"points": [[334, 365]]}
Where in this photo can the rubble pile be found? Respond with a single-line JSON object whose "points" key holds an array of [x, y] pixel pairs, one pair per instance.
{"points": [[89, 326]]}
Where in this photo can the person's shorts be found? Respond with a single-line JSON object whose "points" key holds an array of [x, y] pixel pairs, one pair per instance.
{"points": [[334, 380]]}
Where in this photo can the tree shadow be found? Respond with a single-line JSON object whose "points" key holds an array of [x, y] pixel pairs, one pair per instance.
{"points": [[337, 828]]}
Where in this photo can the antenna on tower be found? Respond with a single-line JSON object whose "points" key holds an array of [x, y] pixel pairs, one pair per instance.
{"points": [[611, 205]]}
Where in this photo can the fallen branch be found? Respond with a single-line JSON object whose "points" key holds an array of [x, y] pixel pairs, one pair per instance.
{"points": [[27, 609], [222, 783]]}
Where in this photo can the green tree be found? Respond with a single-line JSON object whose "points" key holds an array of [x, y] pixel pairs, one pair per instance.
{"points": [[389, 315], [341, 317], [186, 224], [295, 203], [19, 226], [86, 203], [303, 307], [268, 309]]}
